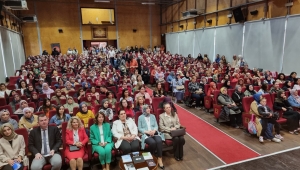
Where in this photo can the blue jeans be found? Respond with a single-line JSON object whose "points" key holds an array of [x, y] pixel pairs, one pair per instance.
{"points": [[199, 99]]}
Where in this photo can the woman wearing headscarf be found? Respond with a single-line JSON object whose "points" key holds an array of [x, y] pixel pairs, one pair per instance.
{"points": [[147, 126], [227, 84], [238, 96], [294, 99], [68, 87], [85, 114], [108, 112], [253, 110], [16, 100], [235, 114], [211, 89], [287, 86], [36, 100], [5, 118], [281, 104], [249, 91], [12, 148], [23, 104], [28, 120], [70, 104], [58, 96], [47, 90]]}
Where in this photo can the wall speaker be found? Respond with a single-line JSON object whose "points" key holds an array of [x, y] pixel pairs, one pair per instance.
{"points": [[134, 30], [60, 30], [238, 14], [209, 21], [255, 12]]}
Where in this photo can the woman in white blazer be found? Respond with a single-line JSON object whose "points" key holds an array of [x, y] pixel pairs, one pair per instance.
{"points": [[125, 130]]}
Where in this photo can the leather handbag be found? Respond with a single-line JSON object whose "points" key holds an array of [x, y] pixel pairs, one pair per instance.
{"points": [[178, 132], [180, 87], [73, 148]]}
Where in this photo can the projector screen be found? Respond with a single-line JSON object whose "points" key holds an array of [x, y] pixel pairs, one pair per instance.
{"points": [[97, 16]]}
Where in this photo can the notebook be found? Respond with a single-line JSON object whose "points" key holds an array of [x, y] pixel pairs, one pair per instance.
{"points": [[126, 158], [147, 155]]}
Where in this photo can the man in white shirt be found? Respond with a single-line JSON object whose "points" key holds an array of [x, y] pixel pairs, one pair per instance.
{"points": [[111, 55]]}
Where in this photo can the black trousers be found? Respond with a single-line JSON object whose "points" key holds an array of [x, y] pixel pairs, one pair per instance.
{"points": [[178, 143], [264, 124], [235, 119], [292, 120], [155, 144], [8, 167], [199, 99], [127, 147]]}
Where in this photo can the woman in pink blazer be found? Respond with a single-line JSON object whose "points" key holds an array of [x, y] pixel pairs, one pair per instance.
{"points": [[75, 136]]}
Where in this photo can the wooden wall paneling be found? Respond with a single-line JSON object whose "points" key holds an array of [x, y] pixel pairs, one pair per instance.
{"points": [[238, 2], [49, 26], [200, 5], [156, 32], [223, 4], [295, 9], [277, 8], [190, 24], [260, 8], [163, 15], [182, 7], [191, 4], [200, 22], [211, 6], [183, 23], [222, 18], [175, 12], [169, 14], [213, 17]]}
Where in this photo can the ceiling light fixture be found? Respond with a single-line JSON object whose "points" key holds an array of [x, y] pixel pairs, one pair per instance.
{"points": [[148, 3]]}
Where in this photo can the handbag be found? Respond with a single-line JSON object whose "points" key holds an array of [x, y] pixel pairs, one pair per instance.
{"points": [[251, 125], [180, 87], [73, 148], [178, 132]]}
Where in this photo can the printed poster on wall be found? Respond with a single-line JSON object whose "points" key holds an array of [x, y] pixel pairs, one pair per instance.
{"points": [[55, 45]]}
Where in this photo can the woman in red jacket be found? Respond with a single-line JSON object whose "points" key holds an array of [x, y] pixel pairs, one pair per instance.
{"points": [[75, 136]]}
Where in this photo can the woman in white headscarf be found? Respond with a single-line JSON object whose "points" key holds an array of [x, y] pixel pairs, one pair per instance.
{"points": [[47, 90]]}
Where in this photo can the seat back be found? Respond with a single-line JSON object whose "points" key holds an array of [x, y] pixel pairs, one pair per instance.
{"points": [[155, 102], [246, 103], [2, 101], [216, 94], [24, 133], [137, 115], [230, 92]]}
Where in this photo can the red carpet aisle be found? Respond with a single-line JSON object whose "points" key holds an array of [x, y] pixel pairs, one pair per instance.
{"points": [[223, 146]]}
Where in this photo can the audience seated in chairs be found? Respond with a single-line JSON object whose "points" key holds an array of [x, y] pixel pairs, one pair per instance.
{"points": [[281, 104], [68, 87], [159, 91], [47, 90], [16, 100], [144, 94], [44, 143], [5, 118], [238, 96], [287, 86], [178, 87], [197, 92], [58, 96], [75, 136], [108, 112], [169, 121], [47, 107], [70, 105], [139, 102], [101, 140], [19, 111], [125, 130], [36, 100], [294, 99], [211, 89], [297, 84], [12, 148], [29, 90], [85, 114], [28, 120], [293, 77], [267, 116], [147, 126], [111, 99], [276, 88], [263, 89], [60, 116], [127, 108], [249, 90], [4, 92], [125, 95], [230, 108]]}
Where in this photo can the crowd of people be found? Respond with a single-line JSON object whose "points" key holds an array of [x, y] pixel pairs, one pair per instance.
{"points": [[51, 91], [110, 87]]}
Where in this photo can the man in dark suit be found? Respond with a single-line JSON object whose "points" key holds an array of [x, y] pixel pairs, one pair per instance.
{"points": [[44, 143]]}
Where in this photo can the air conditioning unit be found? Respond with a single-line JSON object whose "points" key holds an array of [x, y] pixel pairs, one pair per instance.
{"points": [[16, 4], [189, 13], [29, 19]]}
